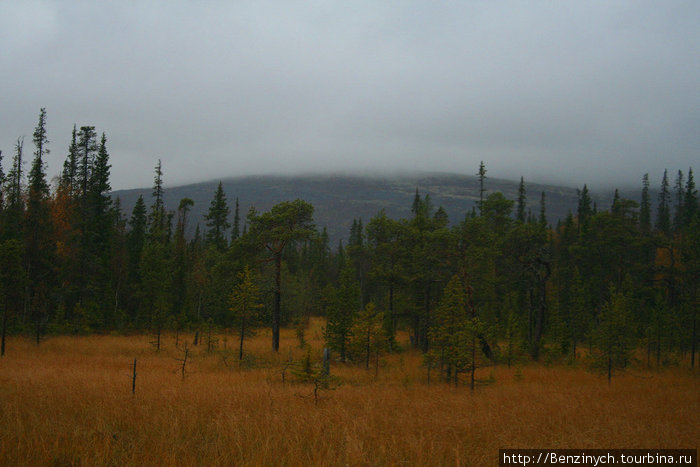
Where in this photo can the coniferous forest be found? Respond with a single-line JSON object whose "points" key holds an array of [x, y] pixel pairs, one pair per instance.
{"points": [[503, 283]]}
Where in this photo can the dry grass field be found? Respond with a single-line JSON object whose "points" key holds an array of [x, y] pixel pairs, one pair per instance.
{"points": [[69, 402]]}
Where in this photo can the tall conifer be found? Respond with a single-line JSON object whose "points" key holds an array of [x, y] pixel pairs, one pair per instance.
{"points": [[522, 201], [663, 215], [217, 219], [645, 207]]}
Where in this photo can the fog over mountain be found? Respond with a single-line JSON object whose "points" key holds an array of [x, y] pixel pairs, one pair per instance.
{"points": [[339, 199], [566, 92]]}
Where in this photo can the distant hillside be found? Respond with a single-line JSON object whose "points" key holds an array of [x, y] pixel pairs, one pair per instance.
{"points": [[338, 199]]}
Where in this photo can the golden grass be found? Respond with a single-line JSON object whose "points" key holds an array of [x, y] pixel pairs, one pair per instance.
{"points": [[69, 402]]}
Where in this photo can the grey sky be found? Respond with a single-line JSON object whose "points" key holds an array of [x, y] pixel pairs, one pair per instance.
{"points": [[575, 91]]}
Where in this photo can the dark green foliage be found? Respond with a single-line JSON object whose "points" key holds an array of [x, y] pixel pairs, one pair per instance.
{"points": [[690, 201], [482, 177], [39, 245], [369, 338], [611, 338], [584, 207], [645, 207], [69, 176], [271, 232], [157, 218], [12, 283], [217, 220], [498, 283], [245, 306], [343, 306], [543, 212], [522, 202], [14, 201], [663, 212], [236, 232]]}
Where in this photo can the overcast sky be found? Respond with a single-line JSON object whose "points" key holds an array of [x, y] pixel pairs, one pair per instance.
{"points": [[595, 92]]}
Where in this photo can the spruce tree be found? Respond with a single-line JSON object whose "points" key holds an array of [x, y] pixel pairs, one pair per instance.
{"points": [[236, 232], [87, 146], [14, 201], [69, 175], [482, 176], [615, 208], [522, 201], [135, 241], [12, 284], [678, 216], [663, 214], [645, 207], [690, 200], [157, 218], [543, 211], [217, 220], [100, 200], [2, 189], [584, 208], [39, 245], [612, 337], [344, 304], [415, 207]]}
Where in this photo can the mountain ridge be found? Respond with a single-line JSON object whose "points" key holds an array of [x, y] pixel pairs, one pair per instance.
{"points": [[340, 198]]}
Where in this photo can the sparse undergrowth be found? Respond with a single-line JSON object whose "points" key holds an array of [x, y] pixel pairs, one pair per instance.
{"points": [[69, 402]]}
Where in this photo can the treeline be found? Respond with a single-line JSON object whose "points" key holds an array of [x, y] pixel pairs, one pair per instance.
{"points": [[498, 285]]}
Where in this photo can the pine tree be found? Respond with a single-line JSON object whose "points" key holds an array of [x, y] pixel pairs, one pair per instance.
{"points": [[522, 201], [217, 220], [272, 231], [368, 336], [663, 219], [645, 207], [245, 304]]}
